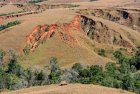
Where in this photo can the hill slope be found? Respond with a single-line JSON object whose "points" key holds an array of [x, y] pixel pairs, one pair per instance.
{"points": [[9, 9], [70, 89], [57, 47]]}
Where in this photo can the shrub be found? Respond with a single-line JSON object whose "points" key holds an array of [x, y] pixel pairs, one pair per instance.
{"points": [[124, 76], [77, 67], [69, 75], [10, 24], [36, 1], [2, 54], [55, 71], [101, 52], [26, 50]]}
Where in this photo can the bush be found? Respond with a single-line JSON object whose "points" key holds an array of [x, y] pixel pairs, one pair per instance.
{"points": [[55, 71], [10, 24], [2, 54], [26, 50], [36, 1], [101, 52], [123, 75], [77, 67]]}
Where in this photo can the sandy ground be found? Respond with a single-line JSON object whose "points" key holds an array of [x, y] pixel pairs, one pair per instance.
{"points": [[69, 89], [9, 9]]}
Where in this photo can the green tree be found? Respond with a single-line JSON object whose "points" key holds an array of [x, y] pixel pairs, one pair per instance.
{"points": [[111, 69], [85, 72], [128, 83], [119, 56], [55, 71], [96, 70], [2, 54], [77, 67]]}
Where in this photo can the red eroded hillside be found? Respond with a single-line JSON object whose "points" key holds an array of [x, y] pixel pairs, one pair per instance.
{"points": [[95, 30]]}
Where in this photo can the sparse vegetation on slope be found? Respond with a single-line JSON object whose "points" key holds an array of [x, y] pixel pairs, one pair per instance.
{"points": [[123, 76], [36, 1], [5, 14], [124, 17], [10, 24]]}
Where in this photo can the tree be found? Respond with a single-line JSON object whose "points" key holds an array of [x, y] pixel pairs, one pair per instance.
{"points": [[96, 70], [85, 72], [45, 73], [70, 75], [111, 68], [128, 83], [29, 76], [54, 65], [77, 67], [138, 59], [55, 71], [118, 55], [137, 83], [13, 66], [2, 54]]}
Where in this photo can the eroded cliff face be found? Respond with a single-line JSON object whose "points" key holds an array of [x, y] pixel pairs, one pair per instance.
{"points": [[95, 30], [99, 32], [130, 18]]}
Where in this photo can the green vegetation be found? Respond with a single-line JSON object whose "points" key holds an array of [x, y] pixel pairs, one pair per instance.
{"points": [[10, 24], [26, 50], [5, 14], [93, 0], [73, 5], [101, 52], [36, 1], [123, 74]]}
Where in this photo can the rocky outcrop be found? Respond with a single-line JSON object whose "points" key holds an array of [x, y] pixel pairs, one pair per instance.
{"points": [[130, 19], [95, 30], [99, 32]]}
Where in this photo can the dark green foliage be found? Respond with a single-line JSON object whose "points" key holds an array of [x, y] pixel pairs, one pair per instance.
{"points": [[36, 1], [77, 67], [96, 70], [2, 53], [122, 75], [85, 72], [118, 55], [137, 83], [55, 71], [10, 24]]}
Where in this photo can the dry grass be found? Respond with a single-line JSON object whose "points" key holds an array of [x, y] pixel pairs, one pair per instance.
{"points": [[9, 9], [69, 89], [15, 37]]}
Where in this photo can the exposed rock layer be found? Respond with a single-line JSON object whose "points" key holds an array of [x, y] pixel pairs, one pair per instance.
{"points": [[130, 18], [95, 30]]}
